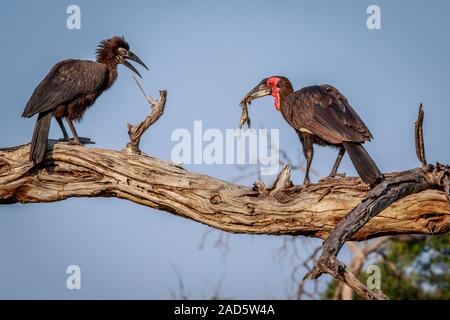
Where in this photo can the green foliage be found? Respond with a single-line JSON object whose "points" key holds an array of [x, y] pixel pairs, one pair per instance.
{"points": [[411, 270]]}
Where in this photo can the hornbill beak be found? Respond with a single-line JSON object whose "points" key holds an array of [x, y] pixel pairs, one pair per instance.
{"points": [[261, 90], [131, 56]]}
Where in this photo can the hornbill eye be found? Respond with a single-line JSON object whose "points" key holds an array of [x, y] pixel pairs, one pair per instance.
{"points": [[122, 51], [125, 54]]}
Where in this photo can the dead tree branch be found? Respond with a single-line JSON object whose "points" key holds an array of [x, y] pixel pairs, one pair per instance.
{"points": [[135, 132], [391, 190], [76, 171]]}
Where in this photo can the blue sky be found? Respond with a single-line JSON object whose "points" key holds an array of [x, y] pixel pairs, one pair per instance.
{"points": [[207, 54]]}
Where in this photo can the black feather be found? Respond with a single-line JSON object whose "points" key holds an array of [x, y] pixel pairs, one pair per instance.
{"points": [[364, 165], [40, 136]]}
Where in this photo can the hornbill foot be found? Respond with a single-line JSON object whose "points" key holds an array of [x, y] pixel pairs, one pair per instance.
{"points": [[81, 141], [306, 182], [75, 142], [299, 188], [333, 176], [337, 175]]}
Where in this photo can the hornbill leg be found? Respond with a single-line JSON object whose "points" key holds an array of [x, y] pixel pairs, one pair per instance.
{"points": [[337, 162], [76, 140], [308, 151], [63, 129]]}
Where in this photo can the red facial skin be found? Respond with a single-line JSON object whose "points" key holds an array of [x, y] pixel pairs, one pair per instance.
{"points": [[273, 84]]}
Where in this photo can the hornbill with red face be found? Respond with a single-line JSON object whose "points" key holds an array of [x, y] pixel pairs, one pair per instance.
{"points": [[321, 115], [71, 87]]}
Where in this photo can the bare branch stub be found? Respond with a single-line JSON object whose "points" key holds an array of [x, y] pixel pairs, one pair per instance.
{"points": [[135, 132], [282, 183], [420, 147]]}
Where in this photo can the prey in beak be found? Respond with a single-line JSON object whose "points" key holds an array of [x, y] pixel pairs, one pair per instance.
{"points": [[131, 56], [261, 90]]}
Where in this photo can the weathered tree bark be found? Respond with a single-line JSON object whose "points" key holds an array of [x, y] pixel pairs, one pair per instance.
{"points": [[76, 171]]}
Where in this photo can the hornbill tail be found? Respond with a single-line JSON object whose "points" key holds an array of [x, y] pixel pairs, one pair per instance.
{"points": [[364, 165], [40, 137]]}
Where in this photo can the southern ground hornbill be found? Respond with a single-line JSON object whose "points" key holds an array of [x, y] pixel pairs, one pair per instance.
{"points": [[321, 115], [71, 87]]}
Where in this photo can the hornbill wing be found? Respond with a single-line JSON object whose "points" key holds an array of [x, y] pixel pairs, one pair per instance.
{"points": [[325, 112], [350, 117], [66, 81]]}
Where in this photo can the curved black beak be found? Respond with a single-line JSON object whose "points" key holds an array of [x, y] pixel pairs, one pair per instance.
{"points": [[131, 56], [261, 90]]}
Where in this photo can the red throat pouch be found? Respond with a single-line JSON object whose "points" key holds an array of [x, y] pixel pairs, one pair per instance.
{"points": [[276, 95], [273, 84]]}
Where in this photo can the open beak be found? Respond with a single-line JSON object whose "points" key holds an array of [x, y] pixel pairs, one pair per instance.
{"points": [[135, 58], [261, 90]]}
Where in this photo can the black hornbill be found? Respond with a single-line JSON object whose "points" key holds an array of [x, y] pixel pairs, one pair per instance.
{"points": [[71, 87], [321, 115]]}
